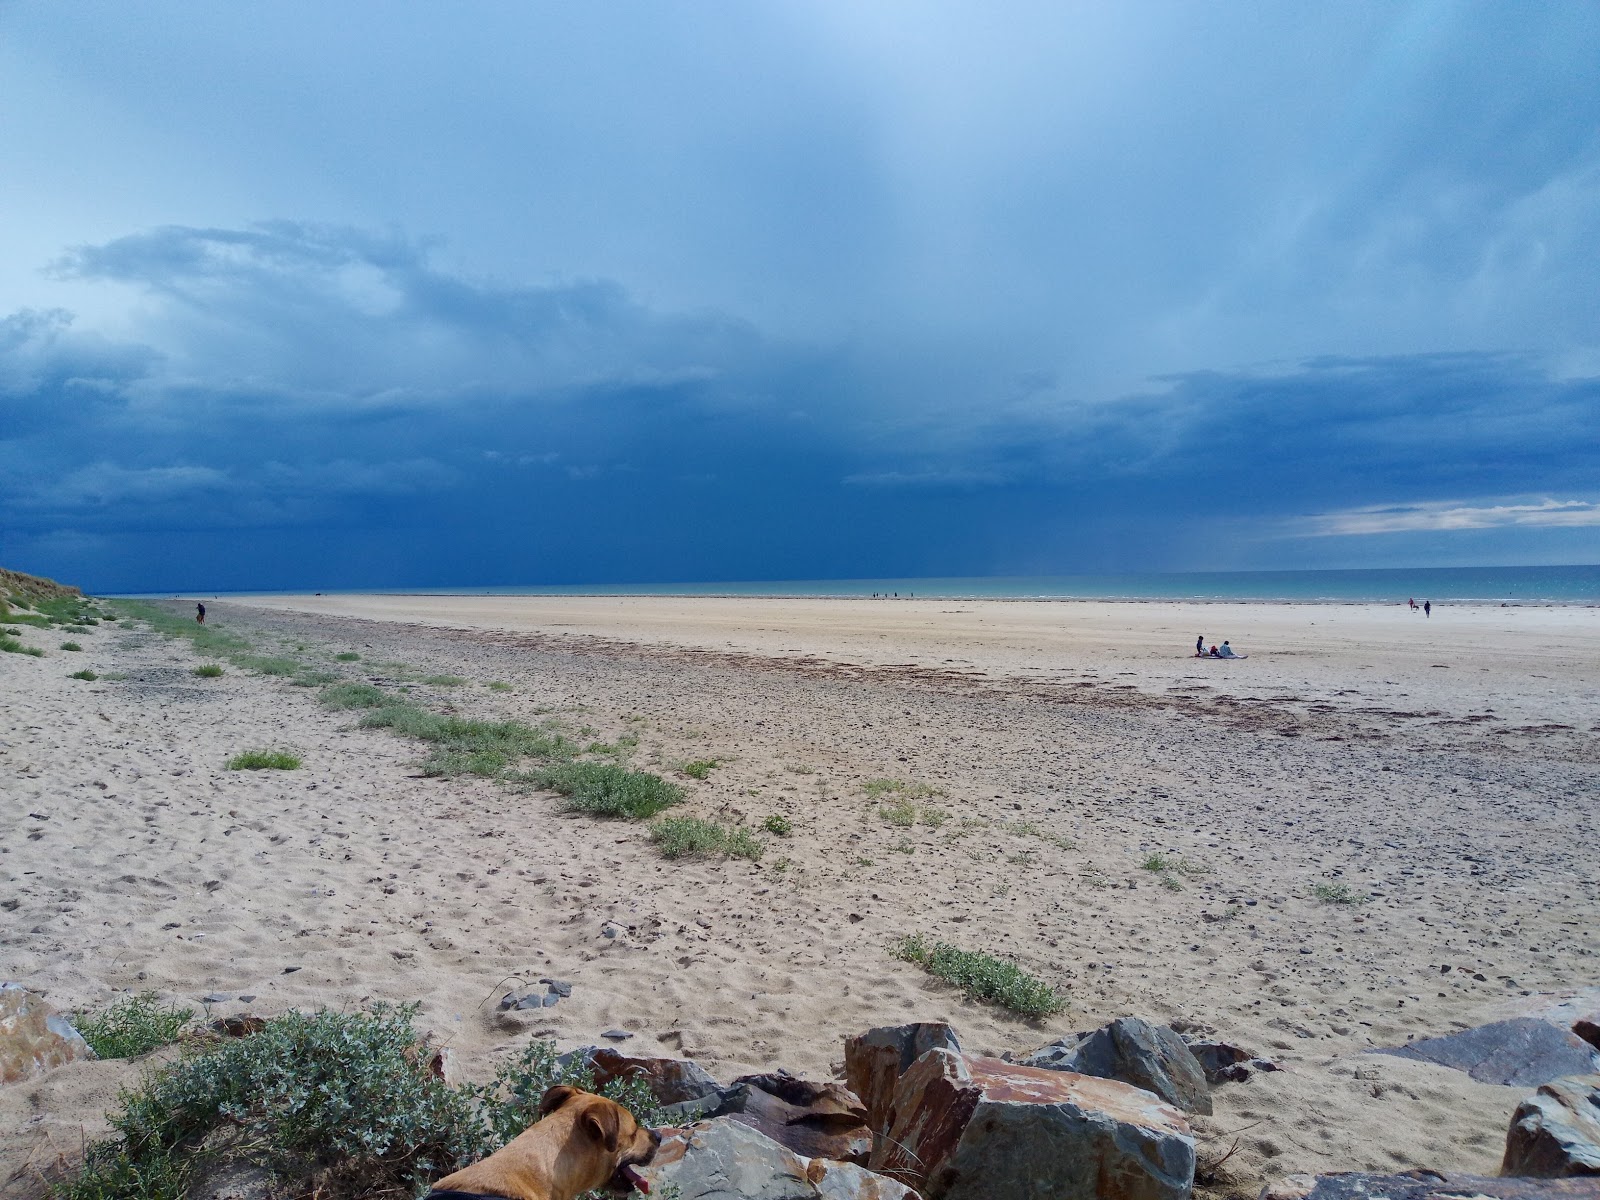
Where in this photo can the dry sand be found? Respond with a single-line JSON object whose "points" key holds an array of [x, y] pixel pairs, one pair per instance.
{"points": [[1447, 768]]}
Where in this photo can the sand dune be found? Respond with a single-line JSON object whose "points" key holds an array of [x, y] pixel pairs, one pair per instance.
{"points": [[1445, 768]]}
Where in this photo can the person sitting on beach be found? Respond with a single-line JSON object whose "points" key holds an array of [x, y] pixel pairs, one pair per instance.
{"points": [[1226, 651], [1214, 653]]}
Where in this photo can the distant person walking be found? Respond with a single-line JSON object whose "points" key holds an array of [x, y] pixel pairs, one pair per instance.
{"points": [[1413, 603], [200, 614], [1200, 646], [1427, 608]]}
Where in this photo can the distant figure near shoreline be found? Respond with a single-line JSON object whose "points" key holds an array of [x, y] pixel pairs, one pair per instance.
{"points": [[200, 614]]}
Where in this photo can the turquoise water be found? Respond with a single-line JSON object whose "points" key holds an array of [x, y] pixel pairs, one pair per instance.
{"points": [[1442, 585]]}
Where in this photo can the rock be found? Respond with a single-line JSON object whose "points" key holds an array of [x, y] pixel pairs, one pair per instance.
{"points": [[617, 1035], [560, 987], [874, 1060], [1223, 1062], [1523, 1052], [1588, 1028], [551, 999], [216, 998], [818, 1120], [1134, 1051], [678, 1081], [969, 1128], [34, 1038], [1426, 1185], [1556, 1131], [727, 1160], [243, 1025]]}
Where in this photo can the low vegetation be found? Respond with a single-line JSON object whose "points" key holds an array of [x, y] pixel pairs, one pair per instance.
{"points": [[900, 788], [463, 746], [607, 790], [208, 671], [11, 645], [354, 695], [905, 814], [1338, 893], [778, 824], [701, 767], [71, 647], [347, 656], [334, 1104], [84, 674], [692, 837], [264, 760], [982, 976], [132, 1026]]}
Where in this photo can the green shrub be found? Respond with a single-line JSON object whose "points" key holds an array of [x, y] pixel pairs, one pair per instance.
{"points": [[692, 837], [982, 976], [468, 747], [10, 645], [71, 646], [607, 790], [208, 670], [335, 1104], [84, 674], [33, 619], [1337, 893], [132, 1026], [264, 760], [778, 824], [701, 768], [902, 813], [353, 695]]}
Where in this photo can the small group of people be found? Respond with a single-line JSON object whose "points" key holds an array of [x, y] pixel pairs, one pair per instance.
{"points": [[1427, 607], [1222, 651]]}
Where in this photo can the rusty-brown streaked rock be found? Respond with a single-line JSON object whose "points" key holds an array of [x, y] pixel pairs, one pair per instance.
{"points": [[969, 1128], [875, 1060], [823, 1120], [670, 1080], [1588, 1028], [1134, 1051], [34, 1038], [1426, 1185], [1556, 1131]]}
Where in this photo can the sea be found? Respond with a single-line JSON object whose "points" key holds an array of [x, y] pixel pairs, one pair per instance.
{"points": [[1579, 585]]}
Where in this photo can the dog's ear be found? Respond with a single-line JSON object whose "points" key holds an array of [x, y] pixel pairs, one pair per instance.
{"points": [[603, 1124], [555, 1098]]}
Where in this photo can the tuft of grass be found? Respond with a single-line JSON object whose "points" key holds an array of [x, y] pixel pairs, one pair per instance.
{"points": [[905, 814], [71, 646], [264, 760], [444, 680], [701, 767], [983, 976], [34, 619], [347, 656], [692, 837], [904, 789], [333, 1104], [208, 671], [778, 824], [132, 1026], [10, 645], [1156, 862], [607, 790], [353, 695], [309, 678], [1338, 893], [267, 664], [498, 685], [468, 747], [84, 674]]}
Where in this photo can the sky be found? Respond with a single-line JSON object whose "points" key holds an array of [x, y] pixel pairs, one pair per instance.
{"points": [[311, 296]]}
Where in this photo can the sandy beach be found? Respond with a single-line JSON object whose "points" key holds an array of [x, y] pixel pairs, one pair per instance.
{"points": [[1444, 769]]}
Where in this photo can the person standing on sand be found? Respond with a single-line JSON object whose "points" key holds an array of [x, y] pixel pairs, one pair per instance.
{"points": [[1200, 646], [1427, 608], [200, 614]]}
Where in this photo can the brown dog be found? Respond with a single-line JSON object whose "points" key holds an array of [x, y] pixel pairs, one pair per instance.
{"points": [[581, 1141]]}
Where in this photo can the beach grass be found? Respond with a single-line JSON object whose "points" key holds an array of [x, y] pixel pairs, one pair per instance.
{"points": [[208, 671], [11, 645], [264, 760], [902, 789], [71, 647], [700, 768], [347, 656], [983, 976], [131, 1026], [607, 790], [778, 824], [464, 746], [1338, 893], [694, 837], [350, 694], [85, 674]]}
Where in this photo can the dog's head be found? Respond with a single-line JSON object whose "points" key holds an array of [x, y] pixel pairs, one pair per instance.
{"points": [[610, 1142]]}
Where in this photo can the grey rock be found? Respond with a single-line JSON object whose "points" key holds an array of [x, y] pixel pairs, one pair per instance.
{"points": [[217, 998], [1133, 1051], [559, 986], [617, 1035], [1522, 1052], [529, 1001], [875, 1060], [1556, 1131], [724, 1160], [551, 999]]}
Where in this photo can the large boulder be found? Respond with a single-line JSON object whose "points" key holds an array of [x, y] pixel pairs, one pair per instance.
{"points": [[874, 1060], [1556, 1131], [727, 1160], [1426, 1185], [34, 1038], [818, 1120], [1134, 1051], [1588, 1028], [969, 1128], [680, 1083], [1522, 1052]]}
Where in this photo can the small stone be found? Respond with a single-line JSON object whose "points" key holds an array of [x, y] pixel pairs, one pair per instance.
{"points": [[290, 970], [246, 999], [529, 1001], [217, 998], [617, 1035], [551, 1000], [559, 986], [609, 931]]}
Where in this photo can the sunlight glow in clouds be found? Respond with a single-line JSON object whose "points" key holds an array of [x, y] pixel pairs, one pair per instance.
{"points": [[1433, 518]]}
